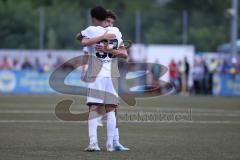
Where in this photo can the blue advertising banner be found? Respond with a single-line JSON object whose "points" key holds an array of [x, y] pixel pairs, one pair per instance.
{"points": [[226, 85], [32, 82]]}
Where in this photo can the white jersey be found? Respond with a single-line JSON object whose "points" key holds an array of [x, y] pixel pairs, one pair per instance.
{"points": [[103, 64]]}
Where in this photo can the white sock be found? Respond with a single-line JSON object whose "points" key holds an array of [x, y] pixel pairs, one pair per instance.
{"points": [[92, 127], [99, 119], [116, 136], [111, 126]]}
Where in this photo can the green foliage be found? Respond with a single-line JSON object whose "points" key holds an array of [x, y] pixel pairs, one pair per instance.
{"points": [[51, 39], [207, 38], [19, 24]]}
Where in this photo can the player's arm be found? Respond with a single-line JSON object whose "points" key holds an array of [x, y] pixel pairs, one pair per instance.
{"points": [[83, 71], [121, 52], [90, 41]]}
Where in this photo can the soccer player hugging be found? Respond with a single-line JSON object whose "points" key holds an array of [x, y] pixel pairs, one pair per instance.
{"points": [[104, 44]]}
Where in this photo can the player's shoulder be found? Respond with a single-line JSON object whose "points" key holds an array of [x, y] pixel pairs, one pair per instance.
{"points": [[114, 30], [87, 31], [92, 31], [91, 28]]}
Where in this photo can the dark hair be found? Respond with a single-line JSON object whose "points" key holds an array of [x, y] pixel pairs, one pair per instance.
{"points": [[111, 14], [99, 13]]}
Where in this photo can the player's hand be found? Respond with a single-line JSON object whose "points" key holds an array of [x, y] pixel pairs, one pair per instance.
{"points": [[108, 36], [78, 36], [103, 48], [100, 48]]}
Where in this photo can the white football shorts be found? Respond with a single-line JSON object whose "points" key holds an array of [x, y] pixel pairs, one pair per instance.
{"points": [[104, 90]]}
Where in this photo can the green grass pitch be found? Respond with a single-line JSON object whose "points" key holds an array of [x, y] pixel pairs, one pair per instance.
{"points": [[29, 130]]}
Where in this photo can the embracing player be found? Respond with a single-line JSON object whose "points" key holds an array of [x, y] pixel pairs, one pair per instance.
{"points": [[105, 44]]}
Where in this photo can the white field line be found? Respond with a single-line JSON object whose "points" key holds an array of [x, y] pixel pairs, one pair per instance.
{"points": [[83, 106], [194, 113], [143, 122]]}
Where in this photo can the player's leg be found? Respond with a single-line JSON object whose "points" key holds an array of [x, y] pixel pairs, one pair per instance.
{"points": [[110, 104], [111, 125], [116, 134], [116, 142], [95, 103], [94, 112]]}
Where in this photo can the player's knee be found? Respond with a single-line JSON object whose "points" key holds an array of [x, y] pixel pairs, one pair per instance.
{"points": [[110, 108], [94, 107], [101, 110]]}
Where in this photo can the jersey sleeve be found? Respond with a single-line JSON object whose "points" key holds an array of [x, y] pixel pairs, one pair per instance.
{"points": [[120, 42], [116, 31], [119, 37], [87, 33]]}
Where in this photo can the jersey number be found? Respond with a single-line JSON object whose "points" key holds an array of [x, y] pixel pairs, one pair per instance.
{"points": [[113, 43]]}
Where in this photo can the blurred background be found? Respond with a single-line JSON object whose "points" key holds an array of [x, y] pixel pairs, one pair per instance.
{"points": [[196, 40]]}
